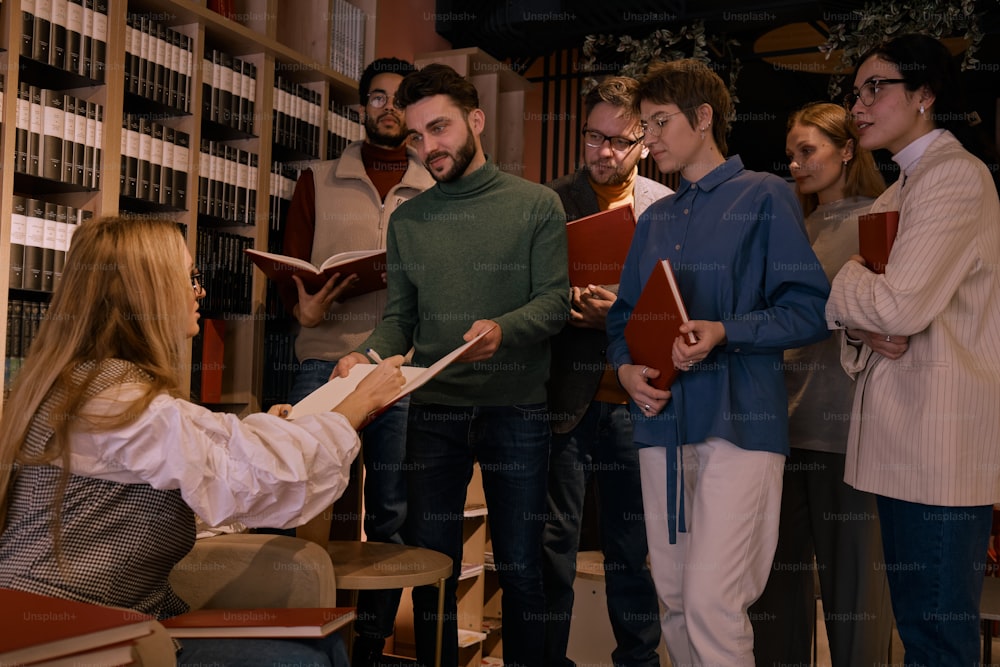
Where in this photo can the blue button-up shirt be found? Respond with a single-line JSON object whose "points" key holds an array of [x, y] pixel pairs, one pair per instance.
{"points": [[739, 251]]}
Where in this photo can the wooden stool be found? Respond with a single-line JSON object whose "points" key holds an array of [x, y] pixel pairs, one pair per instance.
{"points": [[378, 566]]}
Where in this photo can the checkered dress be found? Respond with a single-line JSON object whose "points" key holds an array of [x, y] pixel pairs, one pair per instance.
{"points": [[118, 541]]}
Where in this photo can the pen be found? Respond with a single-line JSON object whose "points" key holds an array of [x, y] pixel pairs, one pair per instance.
{"points": [[373, 355]]}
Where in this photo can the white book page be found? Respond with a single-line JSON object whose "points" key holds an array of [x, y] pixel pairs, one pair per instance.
{"points": [[336, 390]]}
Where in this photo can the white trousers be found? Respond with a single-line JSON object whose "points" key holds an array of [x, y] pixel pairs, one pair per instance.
{"points": [[718, 568]]}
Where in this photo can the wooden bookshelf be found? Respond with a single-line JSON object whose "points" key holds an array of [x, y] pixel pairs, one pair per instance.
{"points": [[260, 32]]}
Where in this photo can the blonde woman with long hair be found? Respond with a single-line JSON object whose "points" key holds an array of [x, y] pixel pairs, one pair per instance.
{"points": [[104, 463], [821, 516]]}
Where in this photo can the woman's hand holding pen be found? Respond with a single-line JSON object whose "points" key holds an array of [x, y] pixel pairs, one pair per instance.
{"points": [[374, 391]]}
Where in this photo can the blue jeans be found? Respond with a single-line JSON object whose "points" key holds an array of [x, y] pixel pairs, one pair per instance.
{"points": [[383, 450], [601, 443], [253, 652], [511, 444], [935, 558]]}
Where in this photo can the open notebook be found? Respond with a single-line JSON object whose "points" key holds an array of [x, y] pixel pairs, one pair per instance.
{"points": [[333, 392]]}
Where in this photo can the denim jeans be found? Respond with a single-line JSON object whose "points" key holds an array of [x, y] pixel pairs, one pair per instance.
{"points": [[383, 449], [600, 444], [511, 444], [253, 652], [935, 558]]}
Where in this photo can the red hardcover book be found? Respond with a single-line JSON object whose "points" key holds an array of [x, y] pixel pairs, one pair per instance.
{"points": [[296, 622], [213, 360], [876, 233], [655, 323], [37, 628], [597, 245], [369, 265]]}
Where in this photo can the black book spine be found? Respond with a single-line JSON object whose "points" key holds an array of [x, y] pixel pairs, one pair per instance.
{"points": [[18, 232], [100, 43], [57, 38], [27, 32], [43, 31], [182, 153]]}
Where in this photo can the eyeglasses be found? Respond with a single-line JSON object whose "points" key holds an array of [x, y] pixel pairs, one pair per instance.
{"points": [[656, 129], [196, 282], [867, 92], [378, 100], [595, 139]]}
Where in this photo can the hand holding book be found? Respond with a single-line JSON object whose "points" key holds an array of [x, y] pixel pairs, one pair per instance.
{"points": [[310, 309], [368, 265]]}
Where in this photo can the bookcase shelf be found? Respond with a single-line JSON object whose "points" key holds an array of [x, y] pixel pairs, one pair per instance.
{"points": [[252, 36]]}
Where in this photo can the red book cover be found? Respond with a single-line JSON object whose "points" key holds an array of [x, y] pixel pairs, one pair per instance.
{"points": [[213, 360], [37, 628], [655, 323], [876, 233], [276, 622], [597, 245], [369, 265]]}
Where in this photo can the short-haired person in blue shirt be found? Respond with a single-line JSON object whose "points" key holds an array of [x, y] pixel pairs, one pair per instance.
{"points": [[713, 446]]}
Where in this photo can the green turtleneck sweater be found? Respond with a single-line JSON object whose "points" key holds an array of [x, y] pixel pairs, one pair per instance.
{"points": [[487, 246]]}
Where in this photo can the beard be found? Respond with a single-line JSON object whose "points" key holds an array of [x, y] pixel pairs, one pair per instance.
{"points": [[460, 160], [620, 174], [384, 139]]}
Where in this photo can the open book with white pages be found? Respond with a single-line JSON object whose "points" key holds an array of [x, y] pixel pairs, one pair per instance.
{"points": [[336, 390]]}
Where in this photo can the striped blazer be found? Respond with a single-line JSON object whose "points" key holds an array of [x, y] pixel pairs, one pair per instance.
{"points": [[926, 427]]}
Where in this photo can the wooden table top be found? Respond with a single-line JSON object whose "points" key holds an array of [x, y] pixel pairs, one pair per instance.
{"points": [[378, 566]]}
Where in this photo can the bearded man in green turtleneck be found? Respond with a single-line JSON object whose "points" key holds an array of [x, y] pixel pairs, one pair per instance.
{"points": [[482, 252]]}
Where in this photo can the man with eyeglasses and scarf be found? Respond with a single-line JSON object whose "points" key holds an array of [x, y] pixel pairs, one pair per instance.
{"points": [[591, 428], [338, 206]]}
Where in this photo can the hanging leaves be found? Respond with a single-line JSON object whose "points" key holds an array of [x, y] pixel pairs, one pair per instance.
{"points": [[881, 20], [626, 55]]}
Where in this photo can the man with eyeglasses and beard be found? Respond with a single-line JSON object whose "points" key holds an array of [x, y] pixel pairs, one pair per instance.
{"points": [[338, 206], [592, 432]]}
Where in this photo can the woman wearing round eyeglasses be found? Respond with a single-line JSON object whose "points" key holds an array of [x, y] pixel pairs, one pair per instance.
{"points": [[923, 341], [712, 448], [104, 464]]}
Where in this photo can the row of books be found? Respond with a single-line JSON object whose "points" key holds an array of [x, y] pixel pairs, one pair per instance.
{"points": [[279, 341], [23, 319], [40, 232], [279, 371], [58, 136], [297, 116], [229, 91], [281, 189], [227, 182], [343, 126], [71, 35], [154, 162], [347, 39], [226, 272], [159, 62]]}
